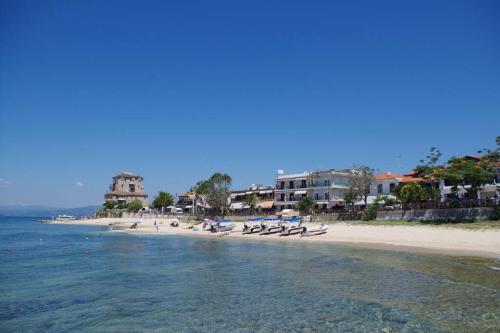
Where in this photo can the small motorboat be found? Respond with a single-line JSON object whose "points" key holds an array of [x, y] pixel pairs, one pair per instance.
{"points": [[292, 226], [222, 226], [65, 218], [252, 225], [314, 230], [271, 226], [208, 223]]}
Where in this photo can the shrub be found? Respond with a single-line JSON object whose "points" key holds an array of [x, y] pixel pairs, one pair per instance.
{"points": [[134, 206], [369, 213], [495, 213]]}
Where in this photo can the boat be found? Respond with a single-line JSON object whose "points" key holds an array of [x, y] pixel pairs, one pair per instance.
{"points": [[222, 225], [314, 230], [208, 223], [271, 226], [292, 226], [65, 218], [252, 225]]}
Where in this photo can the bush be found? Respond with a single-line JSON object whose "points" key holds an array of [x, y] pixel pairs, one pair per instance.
{"points": [[370, 213], [495, 213], [134, 206]]}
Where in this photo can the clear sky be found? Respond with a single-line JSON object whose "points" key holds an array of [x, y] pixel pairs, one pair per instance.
{"points": [[177, 90]]}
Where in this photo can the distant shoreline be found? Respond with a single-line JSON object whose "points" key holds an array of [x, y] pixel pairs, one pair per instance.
{"points": [[435, 239]]}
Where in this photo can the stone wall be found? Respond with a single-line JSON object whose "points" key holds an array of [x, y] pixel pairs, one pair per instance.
{"points": [[450, 214]]}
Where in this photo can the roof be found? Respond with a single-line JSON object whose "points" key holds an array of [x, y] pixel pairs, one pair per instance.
{"points": [[406, 178], [294, 175], [127, 175], [386, 176]]}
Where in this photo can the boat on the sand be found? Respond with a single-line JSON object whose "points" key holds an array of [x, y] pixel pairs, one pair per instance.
{"points": [[314, 230]]}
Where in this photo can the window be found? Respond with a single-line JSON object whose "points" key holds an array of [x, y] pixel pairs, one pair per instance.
{"points": [[392, 187], [379, 189], [282, 197], [291, 197], [131, 187], [282, 185], [316, 196], [304, 183], [327, 196], [291, 184]]}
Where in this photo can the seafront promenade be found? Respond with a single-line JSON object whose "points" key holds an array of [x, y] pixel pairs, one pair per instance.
{"points": [[441, 239]]}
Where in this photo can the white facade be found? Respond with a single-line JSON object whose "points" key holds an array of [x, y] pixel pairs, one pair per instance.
{"points": [[326, 188]]}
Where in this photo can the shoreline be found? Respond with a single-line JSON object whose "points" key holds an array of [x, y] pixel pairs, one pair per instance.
{"points": [[420, 239]]}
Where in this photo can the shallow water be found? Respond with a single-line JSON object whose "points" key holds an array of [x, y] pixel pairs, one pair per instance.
{"points": [[59, 278]]}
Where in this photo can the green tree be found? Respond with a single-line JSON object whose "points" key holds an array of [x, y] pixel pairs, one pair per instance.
{"points": [[200, 190], [251, 201], [351, 196], [432, 194], [370, 213], [306, 205], [163, 200], [411, 193], [429, 164], [219, 185], [360, 182], [466, 173], [134, 205], [110, 204]]}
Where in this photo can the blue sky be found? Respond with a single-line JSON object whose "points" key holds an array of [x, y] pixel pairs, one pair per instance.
{"points": [[176, 91]]}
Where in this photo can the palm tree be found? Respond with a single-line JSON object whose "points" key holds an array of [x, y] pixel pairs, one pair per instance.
{"points": [[251, 202], [200, 190]]}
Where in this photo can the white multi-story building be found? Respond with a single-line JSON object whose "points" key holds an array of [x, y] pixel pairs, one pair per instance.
{"points": [[325, 187]]}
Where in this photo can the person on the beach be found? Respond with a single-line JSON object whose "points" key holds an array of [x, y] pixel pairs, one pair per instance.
{"points": [[156, 225]]}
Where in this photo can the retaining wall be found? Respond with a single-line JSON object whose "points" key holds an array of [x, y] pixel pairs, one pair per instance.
{"points": [[449, 214]]}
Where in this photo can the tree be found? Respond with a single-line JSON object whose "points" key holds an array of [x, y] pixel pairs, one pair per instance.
{"points": [[470, 174], [200, 190], [134, 205], [163, 200], [360, 182], [110, 204], [369, 213], [430, 164], [411, 193], [218, 191], [306, 204], [351, 196], [251, 201], [121, 205]]}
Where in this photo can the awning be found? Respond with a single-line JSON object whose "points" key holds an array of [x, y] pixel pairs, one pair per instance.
{"points": [[300, 192], [249, 192], [237, 205], [233, 195], [266, 192], [265, 204]]}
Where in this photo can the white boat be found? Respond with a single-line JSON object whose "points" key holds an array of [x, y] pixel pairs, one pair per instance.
{"points": [[314, 230], [292, 226], [271, 226], [252, 225], [65, 218]]}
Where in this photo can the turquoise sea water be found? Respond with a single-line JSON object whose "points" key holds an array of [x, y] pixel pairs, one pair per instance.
{"points": [[56, 278]]}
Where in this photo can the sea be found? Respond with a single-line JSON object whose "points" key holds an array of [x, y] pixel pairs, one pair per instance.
{"points": [[66, 278]]}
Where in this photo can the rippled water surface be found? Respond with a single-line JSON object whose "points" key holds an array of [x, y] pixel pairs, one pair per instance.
{"points": [[56, 278]]}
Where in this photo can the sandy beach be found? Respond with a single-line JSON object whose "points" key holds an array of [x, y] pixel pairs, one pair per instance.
{"points": [[412, 238]]}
